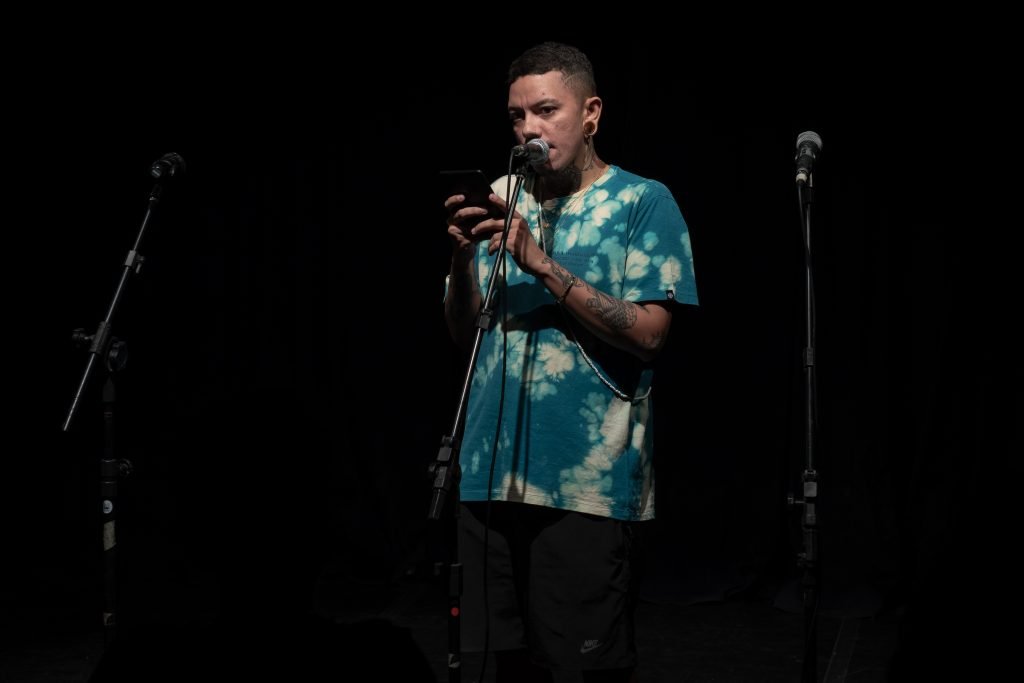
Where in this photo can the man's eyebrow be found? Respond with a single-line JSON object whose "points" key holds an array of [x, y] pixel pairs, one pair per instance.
{"points": [[539, 103]]}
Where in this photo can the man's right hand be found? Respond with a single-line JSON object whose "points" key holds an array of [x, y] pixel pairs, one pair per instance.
{"points": [[461, 219]]}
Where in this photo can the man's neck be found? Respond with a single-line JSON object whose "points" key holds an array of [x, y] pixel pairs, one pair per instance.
{"points": [[570, 180]]}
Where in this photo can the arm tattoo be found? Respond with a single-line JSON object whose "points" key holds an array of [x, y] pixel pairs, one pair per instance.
{"points": [[615, 313], [558, 271], [653, 342]]}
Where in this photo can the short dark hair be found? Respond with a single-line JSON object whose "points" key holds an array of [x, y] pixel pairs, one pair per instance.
{"points": [[577, 71]]}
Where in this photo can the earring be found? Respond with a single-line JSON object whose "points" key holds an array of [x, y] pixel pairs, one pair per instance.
{"points": [[589, 129]]}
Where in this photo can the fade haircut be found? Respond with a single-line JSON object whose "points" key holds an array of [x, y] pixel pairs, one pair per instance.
{"points": [[577, 72]]}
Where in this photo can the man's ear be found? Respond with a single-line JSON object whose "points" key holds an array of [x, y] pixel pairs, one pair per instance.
{"points": [[592, 110]]}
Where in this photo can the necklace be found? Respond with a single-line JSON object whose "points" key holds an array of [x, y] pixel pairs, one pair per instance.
{"points": [[549, 215], [550, 212]]}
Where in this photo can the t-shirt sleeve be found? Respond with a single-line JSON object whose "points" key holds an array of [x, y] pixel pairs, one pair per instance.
{"points": [[659, 261]]}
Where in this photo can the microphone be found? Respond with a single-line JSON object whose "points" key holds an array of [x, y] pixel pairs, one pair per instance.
{"points": [[534, 151], [168, 165], [808, 147]]}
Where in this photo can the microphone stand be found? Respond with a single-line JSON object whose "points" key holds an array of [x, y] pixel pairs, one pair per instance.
{"points": [[808, 557], [445, 469], [108, 356]]}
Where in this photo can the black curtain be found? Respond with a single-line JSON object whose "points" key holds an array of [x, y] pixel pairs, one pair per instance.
{"points": [[290, 376]]}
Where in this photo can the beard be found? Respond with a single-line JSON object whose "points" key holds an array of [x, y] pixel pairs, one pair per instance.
{"points": [[560, 183]]}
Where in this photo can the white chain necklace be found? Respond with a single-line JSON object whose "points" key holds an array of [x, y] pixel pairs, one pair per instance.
{"points": [[604, 380], [547, 222], [548, 219]]}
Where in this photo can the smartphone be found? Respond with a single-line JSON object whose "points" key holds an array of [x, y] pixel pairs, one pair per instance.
{"points": [[474, 185]]}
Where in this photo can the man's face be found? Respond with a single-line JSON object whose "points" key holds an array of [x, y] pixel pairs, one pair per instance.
{"points": [[543, 106]]}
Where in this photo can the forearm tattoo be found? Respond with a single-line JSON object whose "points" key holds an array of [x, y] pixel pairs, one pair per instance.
{"points": [[615, 313], [563, 275]]}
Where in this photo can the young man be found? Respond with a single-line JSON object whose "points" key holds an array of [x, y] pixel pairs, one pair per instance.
{"points": [[596, 260]]}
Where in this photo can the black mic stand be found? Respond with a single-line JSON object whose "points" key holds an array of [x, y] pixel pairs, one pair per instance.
{"points": [[446, 471], [808, 557], [107, 356]]}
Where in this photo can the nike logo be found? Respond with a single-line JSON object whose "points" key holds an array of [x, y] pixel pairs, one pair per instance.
{"points": [[589, 645]]}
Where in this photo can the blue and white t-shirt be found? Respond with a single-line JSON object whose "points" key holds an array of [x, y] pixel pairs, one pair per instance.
{"points": [[566, 440]]}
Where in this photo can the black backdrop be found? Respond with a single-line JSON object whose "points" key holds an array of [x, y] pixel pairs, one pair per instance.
{"points": [[290, 376]]}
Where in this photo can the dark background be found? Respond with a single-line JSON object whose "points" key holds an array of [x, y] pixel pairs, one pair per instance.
{"points": [[290, 376]]}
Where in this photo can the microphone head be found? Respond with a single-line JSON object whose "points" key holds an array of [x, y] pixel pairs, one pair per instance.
{"points": [[535, 151], [539, 151], [808, 147], [168, 165], [809, 136]]}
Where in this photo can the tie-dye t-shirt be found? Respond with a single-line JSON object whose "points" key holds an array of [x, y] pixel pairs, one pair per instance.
{"points": [[566, 440]]}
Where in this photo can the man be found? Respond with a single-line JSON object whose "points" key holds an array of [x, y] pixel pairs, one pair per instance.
{"points": [[596, 259]]}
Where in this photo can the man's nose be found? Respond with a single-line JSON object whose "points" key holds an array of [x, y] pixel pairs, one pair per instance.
{"points": [[531, 128]]}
